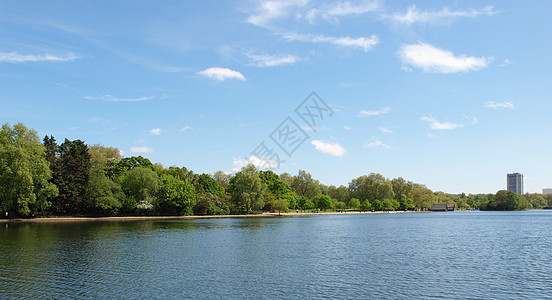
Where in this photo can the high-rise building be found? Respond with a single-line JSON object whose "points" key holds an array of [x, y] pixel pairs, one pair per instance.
{"points": [[514, 183], [546, 191]]}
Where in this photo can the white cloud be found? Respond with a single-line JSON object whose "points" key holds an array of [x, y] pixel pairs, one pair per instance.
{"points": [[385, 130], [271, 10], [414, 15], [347, 127], [495, 105], [185, 128], [116, 99], [376, 143], [155, 131], [221, 74], [328, 147], [369, 113], [505, 63], [436, 125], [365, 43], [340, 9], [272, 60], [239, 163], [14, 57], [434, 60], [141, 150]]}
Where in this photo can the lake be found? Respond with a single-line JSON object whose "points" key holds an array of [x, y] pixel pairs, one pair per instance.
{"points": [[467, 255]]}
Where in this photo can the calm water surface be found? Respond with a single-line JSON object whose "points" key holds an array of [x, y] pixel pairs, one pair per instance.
{"points": [[460, 255]]}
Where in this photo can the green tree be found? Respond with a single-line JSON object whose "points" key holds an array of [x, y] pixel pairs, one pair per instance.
{"points": [[406, 204], [304, 202], [377, 205], [175, 196], [24, 172], [401, 188], [354, 203], [104, 158], [323, 202], [222, 179], [140, 185], [304, 185], [129, 163], [277, 187], [366, 205], [506, 200], [372, 187], [208, 185], [247, 189], [71, 171], [103, 196]]}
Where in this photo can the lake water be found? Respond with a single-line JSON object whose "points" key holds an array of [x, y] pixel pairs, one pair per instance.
{"points": [[466, 255]]}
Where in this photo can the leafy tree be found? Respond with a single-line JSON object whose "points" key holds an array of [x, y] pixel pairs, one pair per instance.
{"points": [[140, 185], [175, 196], [323, 201], [377, 205], [247, 189], [340, 193], [422, 196], [24, 172], [222, 179], [210, 205], [304, 185], [71, 171], [372, 187], [390, 204], [401, 188], [103, 196], [304, 202], [354, 203], [406, 204], [366, 205], [277, 187], [208, 185], [104, 158], [129, 163]]}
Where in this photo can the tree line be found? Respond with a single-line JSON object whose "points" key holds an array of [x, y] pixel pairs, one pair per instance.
{"points": [[45, 178]]}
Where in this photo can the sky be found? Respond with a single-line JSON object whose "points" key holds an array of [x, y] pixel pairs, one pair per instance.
{"points": [[450, 94]]}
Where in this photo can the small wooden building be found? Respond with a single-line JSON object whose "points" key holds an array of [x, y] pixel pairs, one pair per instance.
{"points": [[442, 206]]}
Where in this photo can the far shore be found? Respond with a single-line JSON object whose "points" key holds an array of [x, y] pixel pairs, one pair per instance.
{"points": [[150, 218]]}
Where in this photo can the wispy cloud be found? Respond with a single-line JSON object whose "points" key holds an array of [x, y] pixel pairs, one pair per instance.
{"points": [[221, 74], [117, 99], [364, 43], [142, 149], [495, 105], [436, 125], [415, 15], [272, 60], [369, 113], [155, 131], [434, 60], [376, 143], [347, 127], [329, 147], [14, 57], [385, 130], [505, 63], [269, 11], [185, 128], [339, 9]]}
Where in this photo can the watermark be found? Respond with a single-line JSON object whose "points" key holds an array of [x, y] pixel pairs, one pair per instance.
{"points": [[289, 135]]}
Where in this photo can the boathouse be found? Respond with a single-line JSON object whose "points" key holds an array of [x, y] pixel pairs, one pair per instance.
{"points": [[442, 206]]}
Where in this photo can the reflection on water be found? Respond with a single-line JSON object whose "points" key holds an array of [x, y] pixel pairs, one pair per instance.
{"points": [[411, 256]]}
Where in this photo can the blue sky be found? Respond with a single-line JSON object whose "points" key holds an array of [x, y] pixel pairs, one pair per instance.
{"points": [[451, 94]]}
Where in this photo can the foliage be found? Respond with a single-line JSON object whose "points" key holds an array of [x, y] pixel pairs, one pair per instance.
{"points": [[24, 172], [278, 188], [304, 185], [354, 203], [140, 185], [247, 189], [71, 169], [372, 187], [323, 202], [103, 196], [175, 196]]}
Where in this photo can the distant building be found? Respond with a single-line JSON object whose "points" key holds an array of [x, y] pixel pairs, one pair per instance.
{"points": [[546, 191], [442, 206], [514, 183]]}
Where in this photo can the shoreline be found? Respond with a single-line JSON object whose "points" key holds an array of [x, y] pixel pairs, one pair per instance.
{"points": [[153, 218]]}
